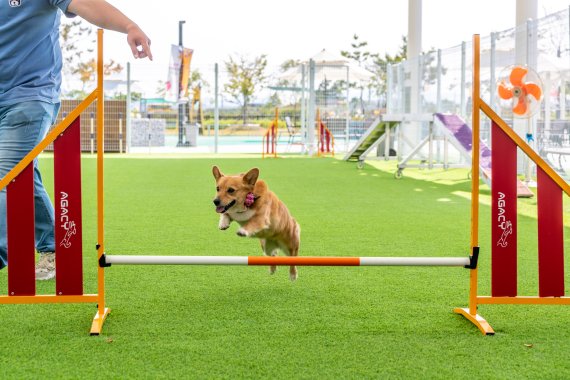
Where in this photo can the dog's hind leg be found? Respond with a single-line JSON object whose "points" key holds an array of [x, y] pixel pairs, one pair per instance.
{"points": [[270, 249], [293, 250], [293, 274]]}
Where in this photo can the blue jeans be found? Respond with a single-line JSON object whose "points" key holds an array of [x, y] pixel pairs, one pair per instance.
{"points": [[22, 127]]}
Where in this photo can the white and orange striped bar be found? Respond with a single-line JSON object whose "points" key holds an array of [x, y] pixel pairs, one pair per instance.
{"points": [[286, 260]]}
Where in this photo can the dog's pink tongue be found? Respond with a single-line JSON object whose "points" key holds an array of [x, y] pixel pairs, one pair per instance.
{"points": [[220, 209]]}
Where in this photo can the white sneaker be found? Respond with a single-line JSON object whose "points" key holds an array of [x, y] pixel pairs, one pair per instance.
{"points": [[45, 268]]}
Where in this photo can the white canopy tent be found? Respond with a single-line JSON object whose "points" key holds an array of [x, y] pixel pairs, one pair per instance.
{"points": [[323, 60]]}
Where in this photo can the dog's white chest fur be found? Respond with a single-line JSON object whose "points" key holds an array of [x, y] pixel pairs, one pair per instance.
{"points": [[242, 216]]}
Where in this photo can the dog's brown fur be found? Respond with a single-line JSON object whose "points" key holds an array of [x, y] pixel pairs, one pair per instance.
{"points": [[267, 218]]}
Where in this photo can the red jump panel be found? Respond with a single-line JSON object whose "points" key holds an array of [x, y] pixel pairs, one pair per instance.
{"points": [[550, 238], [21, 235], [68, 226], [503, 214]]}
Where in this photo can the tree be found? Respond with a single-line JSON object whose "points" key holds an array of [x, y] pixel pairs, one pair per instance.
{"points": [[196, 79], [285, 66], [87, 70], [273, 102], [357, 53], [361, 57], [77, 40], [291, 92], [288, 64], [72, 35], [135, 96], [245, 77], [380, 66], [430, 66]]}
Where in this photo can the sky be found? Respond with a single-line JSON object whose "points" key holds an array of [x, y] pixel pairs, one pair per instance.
{"points": [[299, 29]]}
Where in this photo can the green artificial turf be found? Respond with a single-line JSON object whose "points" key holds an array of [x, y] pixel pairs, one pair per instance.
{"points": [[333, 322]]}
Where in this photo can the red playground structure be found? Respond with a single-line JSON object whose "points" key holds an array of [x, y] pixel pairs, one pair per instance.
{"points": [[269, 141], [325, 138]]}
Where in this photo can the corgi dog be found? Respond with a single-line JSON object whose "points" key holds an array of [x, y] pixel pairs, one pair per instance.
{"points": [[248, 201]]}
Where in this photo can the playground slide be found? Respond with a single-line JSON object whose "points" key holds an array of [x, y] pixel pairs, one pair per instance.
{"points": [[368, 139], [460, 133]]}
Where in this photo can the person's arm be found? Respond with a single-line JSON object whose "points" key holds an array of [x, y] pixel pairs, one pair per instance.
{"points": [[106, 16]]}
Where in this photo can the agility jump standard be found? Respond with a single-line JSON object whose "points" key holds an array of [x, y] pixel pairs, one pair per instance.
{"points": [[68, 233], [504, 217]]}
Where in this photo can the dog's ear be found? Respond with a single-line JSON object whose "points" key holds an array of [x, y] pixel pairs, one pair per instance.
{"points": [[251, 176], [217, 173]]}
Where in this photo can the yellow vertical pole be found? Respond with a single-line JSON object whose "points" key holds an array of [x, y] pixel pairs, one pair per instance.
{"points": [[102, 311], [475, 172], [100, 161], [471, 312]]}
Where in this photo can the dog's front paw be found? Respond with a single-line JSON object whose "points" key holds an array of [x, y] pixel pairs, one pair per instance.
{"points": [[224, 223], [242, 232]]}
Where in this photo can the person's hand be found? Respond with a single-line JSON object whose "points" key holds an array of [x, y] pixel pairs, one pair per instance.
{"points": [[139, 42]]}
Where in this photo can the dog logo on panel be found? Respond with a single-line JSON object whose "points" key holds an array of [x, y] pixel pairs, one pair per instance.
{"points": [[67, 225], [15, 3], [66, 241], [507, 230]]}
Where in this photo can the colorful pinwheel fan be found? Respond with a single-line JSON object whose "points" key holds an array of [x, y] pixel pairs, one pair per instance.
{"points": [[520, 91]]}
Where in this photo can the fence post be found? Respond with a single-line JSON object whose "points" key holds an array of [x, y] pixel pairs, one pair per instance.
{"points": [[216, 109], [347, 138], [463, 74], [390, 83], [312, 104], [438, 104], [303, 106], [128, 111]]}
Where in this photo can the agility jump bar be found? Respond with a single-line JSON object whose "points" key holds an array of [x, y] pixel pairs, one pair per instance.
{"points": [[467, 262]]}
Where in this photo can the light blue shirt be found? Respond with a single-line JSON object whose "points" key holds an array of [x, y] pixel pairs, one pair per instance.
{"points": [[30, 55]]}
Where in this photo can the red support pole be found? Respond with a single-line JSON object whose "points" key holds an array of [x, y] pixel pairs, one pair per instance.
{"points": [[273, 138], [503, 214], [550, 237], [322, 137], [68, 218], [21, 235]]}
